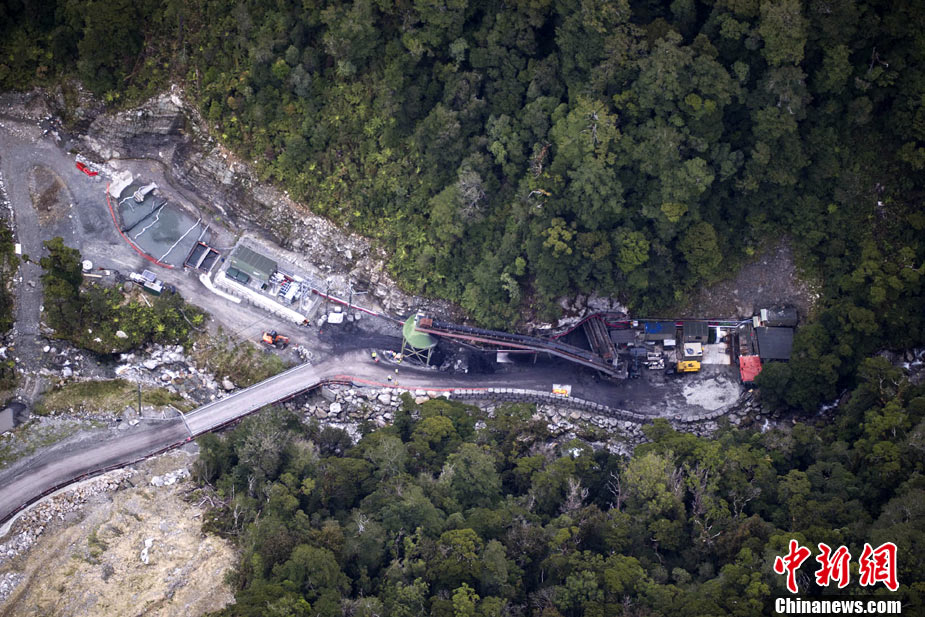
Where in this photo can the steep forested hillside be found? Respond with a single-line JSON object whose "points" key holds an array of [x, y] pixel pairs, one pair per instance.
{"points": [[433, 516], [511, 152], [508, 153]]}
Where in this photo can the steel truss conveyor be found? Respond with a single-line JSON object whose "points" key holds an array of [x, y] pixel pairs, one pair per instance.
{"points": [[519, 342]]}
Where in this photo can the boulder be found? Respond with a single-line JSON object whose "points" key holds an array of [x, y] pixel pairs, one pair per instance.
{"points": [[149, 542]]}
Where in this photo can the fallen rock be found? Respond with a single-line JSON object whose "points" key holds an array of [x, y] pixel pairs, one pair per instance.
{"points": [[149, 542], [171, 478]]}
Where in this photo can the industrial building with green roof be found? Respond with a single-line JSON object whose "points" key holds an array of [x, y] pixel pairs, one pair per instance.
{"points": [[254, 265]]}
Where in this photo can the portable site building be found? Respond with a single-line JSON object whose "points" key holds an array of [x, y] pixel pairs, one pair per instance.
{"points": [[695, 332], [660, 330], [253, 264], [780, 317], [749, 368]]}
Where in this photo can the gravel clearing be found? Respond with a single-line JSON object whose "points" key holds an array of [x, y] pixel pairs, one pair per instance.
{"points": [[712, 394], [771, 279]]}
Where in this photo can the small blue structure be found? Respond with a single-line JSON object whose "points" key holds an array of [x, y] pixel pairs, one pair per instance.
{"points": [[660, 330]]}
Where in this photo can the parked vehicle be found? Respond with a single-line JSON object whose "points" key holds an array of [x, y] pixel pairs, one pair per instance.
{"points": [[275, 339]]}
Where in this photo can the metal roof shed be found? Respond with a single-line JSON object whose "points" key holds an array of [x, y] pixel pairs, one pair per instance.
{"points": [[660, 330], [623, 337], [749, 367], [774, 343], [253, 264], [695, 332]]}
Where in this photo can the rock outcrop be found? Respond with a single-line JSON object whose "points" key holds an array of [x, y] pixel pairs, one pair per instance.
{"points": [[168, 129]]}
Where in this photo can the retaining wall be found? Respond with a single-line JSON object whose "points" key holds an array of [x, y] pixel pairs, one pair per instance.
{"points": [[519, 395]]}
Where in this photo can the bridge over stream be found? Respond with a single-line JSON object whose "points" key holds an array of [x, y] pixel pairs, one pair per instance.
{"points": [[27, 481]]}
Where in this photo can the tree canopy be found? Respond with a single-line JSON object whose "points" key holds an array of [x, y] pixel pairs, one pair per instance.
{"points": [[102, 318], [514, 153], [509, 154], [421, 518]]}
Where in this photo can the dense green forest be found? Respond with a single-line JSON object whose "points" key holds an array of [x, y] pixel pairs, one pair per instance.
{"points": [[510, 153], [433, 516], [9, 266]]}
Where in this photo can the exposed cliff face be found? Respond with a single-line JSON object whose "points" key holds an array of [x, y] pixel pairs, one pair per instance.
{"points": [[159, 122], [168, 129]]}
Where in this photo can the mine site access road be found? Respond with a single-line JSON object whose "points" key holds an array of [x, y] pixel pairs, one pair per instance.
{"points": [[51, 471], [85, 222]]}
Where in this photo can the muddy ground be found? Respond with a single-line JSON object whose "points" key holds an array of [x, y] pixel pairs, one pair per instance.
{"points": [[49, 194]]}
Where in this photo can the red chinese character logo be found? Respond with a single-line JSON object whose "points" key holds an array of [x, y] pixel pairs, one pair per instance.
{"points": [[791, 563], [833, 566], [879, 566]]}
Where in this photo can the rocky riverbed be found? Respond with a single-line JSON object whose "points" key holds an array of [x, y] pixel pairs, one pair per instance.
{"points": [[349, 407]]}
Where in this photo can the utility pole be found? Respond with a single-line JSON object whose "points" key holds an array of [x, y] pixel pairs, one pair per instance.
{"points": [[139, 400], [327, 295], [350, 308]]}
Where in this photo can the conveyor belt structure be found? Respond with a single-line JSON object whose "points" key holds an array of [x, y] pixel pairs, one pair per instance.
{"points": [[519, 342]]}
